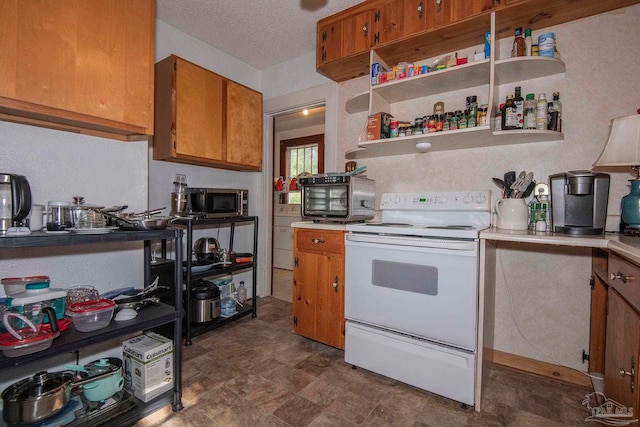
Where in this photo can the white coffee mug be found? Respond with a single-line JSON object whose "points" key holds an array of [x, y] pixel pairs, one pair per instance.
{"points": [[513, 214]]}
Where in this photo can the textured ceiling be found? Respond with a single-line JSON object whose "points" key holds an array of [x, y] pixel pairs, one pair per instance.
{"points": [[260, 33]]}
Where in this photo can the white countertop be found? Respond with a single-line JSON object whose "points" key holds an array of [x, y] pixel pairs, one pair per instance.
{"points": [[626, 246], [319, 225]]}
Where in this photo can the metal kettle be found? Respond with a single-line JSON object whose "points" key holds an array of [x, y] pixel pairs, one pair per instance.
{"points": [[15, 201]]}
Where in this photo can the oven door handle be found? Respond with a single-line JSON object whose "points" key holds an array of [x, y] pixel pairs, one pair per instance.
{"points": [[458, 245]]}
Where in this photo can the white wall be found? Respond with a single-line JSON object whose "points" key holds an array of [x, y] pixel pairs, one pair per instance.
{"points": [[169, 41], [60, 165], [549, 285]]}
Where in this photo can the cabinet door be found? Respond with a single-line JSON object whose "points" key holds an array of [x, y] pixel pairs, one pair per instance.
{"points": [[357, 32], [304, 294], [444, 12], [623, 335], [329, 42], [462, 9], [79, 65], [388, 19], [330, 297], [597, 334], [198, 112], [415, 17], [244, 126]]}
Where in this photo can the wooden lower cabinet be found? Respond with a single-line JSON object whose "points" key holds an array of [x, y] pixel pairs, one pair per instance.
{"points": [[623, 332], [318, 285], [623, 336], [205, 119]]}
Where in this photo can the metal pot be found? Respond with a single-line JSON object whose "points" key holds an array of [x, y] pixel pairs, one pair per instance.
{"points": [[207, 249], [36, 398]]}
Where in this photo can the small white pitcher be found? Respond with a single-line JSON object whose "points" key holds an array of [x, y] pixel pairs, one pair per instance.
{"points": [[513, 214]]}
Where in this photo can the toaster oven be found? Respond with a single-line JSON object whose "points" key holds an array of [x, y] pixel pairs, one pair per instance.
{"points": [[341, 198]]}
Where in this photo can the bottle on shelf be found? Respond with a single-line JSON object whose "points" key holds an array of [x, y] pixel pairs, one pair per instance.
{"points": [[541, 112], [530, 111], [497, 123], [518, 101], [528, 42], [242, 292], [551, 117], [509, 117], [557, 108], [518, 43]]}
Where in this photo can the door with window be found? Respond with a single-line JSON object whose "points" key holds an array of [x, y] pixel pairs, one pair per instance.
{"points": [[300, 155]]}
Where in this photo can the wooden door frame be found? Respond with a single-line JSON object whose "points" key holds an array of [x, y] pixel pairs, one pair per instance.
{"points": [[295, 142]]}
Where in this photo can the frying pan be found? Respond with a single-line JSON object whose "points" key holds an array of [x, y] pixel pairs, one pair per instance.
{"points": [[133, 222]]}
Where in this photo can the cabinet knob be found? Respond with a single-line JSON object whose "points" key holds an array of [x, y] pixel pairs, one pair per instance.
{"points": [[439, 4], [420, 10], [365, 29], [317, 241], [335, 285], [621, 277]]}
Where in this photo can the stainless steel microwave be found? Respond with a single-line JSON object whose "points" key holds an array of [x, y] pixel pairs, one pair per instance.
{"points": [[342, 198], [217, 202]]}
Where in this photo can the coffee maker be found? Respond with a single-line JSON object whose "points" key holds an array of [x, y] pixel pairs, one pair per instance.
{"points": [[15, 201], [579, 202]]}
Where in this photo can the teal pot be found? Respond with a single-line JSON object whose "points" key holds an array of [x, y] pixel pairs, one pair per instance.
{"points": [[101, 378]]}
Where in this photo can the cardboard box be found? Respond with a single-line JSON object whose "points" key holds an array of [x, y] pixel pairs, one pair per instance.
{"points": [[378, 126], [148, 362]]}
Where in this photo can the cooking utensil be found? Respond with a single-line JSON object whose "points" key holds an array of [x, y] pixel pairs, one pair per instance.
{"points": [[509, 179], [101, 378], [132, 223], [521, 184], [36, 398], [529, 190]]}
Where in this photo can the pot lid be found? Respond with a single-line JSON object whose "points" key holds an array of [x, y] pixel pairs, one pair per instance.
{"points": [[41, 384], [205, 291], [91, 306], [9, 342], [101, 366]]}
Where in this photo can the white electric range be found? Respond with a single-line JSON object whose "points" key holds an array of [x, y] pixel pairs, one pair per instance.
{"points": [[411, 290]]}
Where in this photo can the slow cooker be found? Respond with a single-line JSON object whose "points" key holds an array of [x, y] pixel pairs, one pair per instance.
{"points": [[205, 297]]}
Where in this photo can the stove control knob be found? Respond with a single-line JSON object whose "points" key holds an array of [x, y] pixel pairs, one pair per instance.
{"points": [[386, 199], [481, 198], [396, 199], [467, 198]]}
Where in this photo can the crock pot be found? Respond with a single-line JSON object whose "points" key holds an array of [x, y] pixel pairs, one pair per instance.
{"points": [[205, 298]]}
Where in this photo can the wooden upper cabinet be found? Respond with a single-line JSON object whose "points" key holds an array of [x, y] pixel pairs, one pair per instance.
{"points": [[395, 19], [244, 126], [198, 111], [205, 119], [329, 42], [80, 66], [357, 32], [445, 12]]}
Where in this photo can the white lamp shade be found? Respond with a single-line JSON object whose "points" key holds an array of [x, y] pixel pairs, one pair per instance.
{"points": [[623, 145]]}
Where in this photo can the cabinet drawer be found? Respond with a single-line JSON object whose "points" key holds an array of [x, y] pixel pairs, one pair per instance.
{"points": [[320, 240], [625, 278]]}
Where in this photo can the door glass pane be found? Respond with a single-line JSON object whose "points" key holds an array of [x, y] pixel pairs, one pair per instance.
{"points": [[301, 158]]}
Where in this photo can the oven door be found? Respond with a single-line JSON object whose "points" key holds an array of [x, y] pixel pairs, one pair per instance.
{"points": [[422, 287]]}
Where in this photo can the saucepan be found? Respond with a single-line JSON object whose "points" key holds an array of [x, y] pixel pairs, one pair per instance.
{"points": [[33, 399]]}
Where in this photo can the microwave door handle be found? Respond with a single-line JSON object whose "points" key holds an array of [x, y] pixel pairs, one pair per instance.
{"points": [[365, 204]]}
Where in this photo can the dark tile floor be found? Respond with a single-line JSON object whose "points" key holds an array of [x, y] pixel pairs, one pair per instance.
{"points": [[255, 372]]}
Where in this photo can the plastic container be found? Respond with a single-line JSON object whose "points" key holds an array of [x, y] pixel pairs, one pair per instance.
{"points": [[227, 307], [91, 315], [16, 285], [547, 44], [39, 293]]}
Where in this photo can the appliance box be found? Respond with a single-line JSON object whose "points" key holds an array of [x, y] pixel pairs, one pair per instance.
{"points": [[148, 362], [379, 126]]}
